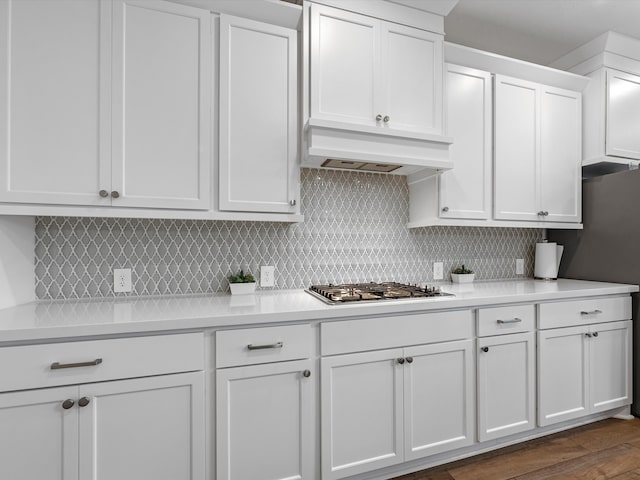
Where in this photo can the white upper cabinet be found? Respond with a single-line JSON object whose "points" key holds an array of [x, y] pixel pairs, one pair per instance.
{"points": [[108, 103], [623, 117], [259, 169], [537, 152], [374, 73], [465, 191], [54, 99], [161, 120]]}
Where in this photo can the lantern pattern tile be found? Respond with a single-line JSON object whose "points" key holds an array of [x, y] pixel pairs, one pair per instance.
{"points": [[354, 230]]}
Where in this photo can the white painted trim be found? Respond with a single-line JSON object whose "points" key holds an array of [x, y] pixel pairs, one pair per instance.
{"points": [[17, 275], [443, 222]]}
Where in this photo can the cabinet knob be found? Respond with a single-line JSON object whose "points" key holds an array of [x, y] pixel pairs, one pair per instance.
{"points": [[401, 360], [378, 117], [595, 334], [386, 119], [115, 194], [84, 401], [103, 193], [292, 203], [588, 335], [306, 373], [541, 213], [409, 359], [445, 209], [68, 403], [546, 214], [485, 349]]}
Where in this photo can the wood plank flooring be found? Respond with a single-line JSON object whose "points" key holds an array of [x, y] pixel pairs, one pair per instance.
{"points": [[609, 449]]}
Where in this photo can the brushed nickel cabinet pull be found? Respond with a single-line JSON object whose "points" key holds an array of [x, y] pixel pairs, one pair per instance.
{"points": [[84, 401], [592, 312], [251, 346], [485, 349], [59, 366], [68, 403], [513, 320], [306, 373]]}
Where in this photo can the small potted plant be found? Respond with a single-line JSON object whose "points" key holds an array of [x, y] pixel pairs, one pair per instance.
{"points": [[242, 283], [462, 275]]}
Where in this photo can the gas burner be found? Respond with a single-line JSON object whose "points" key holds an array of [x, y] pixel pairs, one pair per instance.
{"points": [[359, 292]]}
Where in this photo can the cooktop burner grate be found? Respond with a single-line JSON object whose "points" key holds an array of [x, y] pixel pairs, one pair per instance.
{"points": [[359, 292]]}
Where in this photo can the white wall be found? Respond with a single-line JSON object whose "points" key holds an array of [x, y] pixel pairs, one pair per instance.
{"points": [[17, 277]]}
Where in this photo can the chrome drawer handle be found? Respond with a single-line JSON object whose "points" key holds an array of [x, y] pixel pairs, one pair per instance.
{"points": [[592, 312], [251, 346], [58, 365], [513, 320]]}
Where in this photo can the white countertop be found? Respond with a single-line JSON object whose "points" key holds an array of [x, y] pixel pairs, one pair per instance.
{"points": [[61, 319]]}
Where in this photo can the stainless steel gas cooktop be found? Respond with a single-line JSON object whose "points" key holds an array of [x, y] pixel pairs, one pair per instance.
{"points": [[361, 292]]}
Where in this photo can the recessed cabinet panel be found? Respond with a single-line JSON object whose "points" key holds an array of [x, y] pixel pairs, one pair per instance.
{"points": [[161, 133], [39, 437], [465, 191], [258, 92], [413, 66], [345, 66], [516, 149], [560, 157], [623, 105], [54, 125]]}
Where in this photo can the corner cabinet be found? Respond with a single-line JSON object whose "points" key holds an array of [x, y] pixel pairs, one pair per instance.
{"points": [[537, 152], [358, 72], [622, 107], [259, 169], [107, 103]]}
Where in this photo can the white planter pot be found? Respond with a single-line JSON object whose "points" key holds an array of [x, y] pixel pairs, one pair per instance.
{"points": [[462, 277], [242, 288]]}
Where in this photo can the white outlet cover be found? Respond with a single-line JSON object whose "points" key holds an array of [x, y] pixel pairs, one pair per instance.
{"points": [[122, 280], [438, 271], [267, 276], [519, 266]]}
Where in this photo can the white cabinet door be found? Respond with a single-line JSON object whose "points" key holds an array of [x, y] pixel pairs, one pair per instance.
{"points": [[345, 66], [145, 428], [54, 99], [563, 379], [412, 67], [39, 437], [516, 149], [610, 366], [506, 385], [465, 191], [264, 422], [560, 155], [161, 105], [259, 171], [438, 398], [361, 412], [623, 105]]}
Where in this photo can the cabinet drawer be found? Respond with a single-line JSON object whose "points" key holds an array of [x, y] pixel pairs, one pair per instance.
{"points": [[501, 320], [36, 366], [262, 345], [396, 331], [583, 312]]}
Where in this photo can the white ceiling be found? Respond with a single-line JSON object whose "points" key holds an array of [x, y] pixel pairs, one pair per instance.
{"points": [[538, 31]]}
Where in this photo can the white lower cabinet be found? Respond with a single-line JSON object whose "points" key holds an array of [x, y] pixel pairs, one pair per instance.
{"points": [[264, 420], [385, 407], [583, 370], [140, 428], [506, 385]]}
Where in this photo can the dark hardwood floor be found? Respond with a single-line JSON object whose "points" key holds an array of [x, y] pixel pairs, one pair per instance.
{"points": [[609, 449]]}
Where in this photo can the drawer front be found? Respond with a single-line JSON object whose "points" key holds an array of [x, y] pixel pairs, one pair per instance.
{"points": [[583, 312], [262, 345], [395, 331], [501, 320], [47, 365]]}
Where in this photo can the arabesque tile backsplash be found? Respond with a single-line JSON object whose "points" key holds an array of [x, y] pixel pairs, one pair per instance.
{"points": [[354, 230]]}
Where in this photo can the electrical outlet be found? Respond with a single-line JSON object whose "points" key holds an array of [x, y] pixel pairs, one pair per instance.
{"points": [[438, 271], [267, 276], [121, 280], [519, 266]]}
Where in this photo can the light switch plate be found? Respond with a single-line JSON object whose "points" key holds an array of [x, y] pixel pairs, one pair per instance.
{"points": [[519, 266], [267, 276], [438, 271], [122, 280]]}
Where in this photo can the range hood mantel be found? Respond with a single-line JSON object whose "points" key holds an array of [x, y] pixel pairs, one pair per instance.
{"points": [[374, 147]]}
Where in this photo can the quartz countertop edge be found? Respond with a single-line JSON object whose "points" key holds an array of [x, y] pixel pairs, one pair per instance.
{"points": [[55, 320]]}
